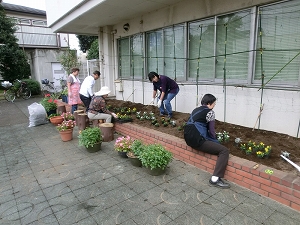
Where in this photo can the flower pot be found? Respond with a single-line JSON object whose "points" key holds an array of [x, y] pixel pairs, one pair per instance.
{"points": [[134, 160], [64, 98], [55, 120], [156, 171], [66, 135], [123, 154], [52, 111], [95, 148]]}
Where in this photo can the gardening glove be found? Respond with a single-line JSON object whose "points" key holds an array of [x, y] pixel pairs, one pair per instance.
{"points": [[114, 115], [159, 103], [152, 102]]}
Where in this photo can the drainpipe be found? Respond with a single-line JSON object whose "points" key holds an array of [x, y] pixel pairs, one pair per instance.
{"points": [[101, 56]]}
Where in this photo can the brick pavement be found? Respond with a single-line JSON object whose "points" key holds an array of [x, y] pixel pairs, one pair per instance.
{"points": [[46, 181]]}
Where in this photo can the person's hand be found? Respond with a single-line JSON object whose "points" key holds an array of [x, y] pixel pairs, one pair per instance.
{"points": [[152, 101], [114, 115], [159, 103]]}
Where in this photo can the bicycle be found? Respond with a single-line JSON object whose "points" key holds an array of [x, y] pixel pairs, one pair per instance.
{"points": [[10, 93], [48, 87]]}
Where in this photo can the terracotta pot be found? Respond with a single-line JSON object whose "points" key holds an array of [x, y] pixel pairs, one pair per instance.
{"points": [[55, 120], [66, 135]]}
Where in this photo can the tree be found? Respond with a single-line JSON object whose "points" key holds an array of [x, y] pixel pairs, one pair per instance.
{"points": [[85, 42], [93, 52], [68, 60], [13, 60]]}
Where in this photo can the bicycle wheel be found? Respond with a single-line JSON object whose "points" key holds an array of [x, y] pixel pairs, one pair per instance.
{"points": [[10, 95], [26, 93]]}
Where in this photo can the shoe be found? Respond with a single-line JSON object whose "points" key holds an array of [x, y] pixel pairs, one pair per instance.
{"points": [[219, 183], [169, 116]]}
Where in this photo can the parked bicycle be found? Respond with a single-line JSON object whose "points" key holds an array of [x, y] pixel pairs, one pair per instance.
{"points": [[11, 92], [48, 87]]}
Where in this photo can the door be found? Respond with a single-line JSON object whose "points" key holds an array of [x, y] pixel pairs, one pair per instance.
{"points": [[58, 76]]}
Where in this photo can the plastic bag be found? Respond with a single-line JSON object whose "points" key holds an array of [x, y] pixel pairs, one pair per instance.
{"points": [[37, 115]]}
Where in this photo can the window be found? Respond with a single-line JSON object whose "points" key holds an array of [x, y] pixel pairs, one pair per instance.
{"points": [[25, 21], [137, 62], [39, 23], [174, 52], [280, 29], [201, 50], [233, 38], [124, 58], [155, 61]]}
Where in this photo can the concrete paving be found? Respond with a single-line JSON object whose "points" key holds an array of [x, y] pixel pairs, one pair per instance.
{"points": [[46, 181]]}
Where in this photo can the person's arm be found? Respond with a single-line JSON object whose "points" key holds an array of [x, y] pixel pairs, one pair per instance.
{"points": [[211, 129], [69, 83], [210, 118]]}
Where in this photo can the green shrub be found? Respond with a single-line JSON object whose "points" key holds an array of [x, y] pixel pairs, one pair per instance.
{"points": [[155, 156], [137, 147], [33, 86]]}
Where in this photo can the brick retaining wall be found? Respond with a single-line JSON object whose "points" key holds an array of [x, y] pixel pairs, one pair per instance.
{"points": [[280, 186]]}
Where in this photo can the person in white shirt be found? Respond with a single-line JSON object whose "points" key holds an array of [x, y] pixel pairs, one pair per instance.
{"points": [[86, 89]]}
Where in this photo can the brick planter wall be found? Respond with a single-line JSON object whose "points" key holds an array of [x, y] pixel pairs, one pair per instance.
{"points": [[279, 186]]}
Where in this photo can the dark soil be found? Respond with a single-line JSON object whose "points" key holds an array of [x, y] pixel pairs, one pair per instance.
{"points": [[279, 142]]}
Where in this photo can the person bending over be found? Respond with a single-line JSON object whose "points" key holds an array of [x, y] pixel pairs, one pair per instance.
{"points": [[168, 90]]}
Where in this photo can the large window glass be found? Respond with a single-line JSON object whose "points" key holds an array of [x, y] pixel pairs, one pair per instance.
{"points": [[201, 50], [137, 65], [232, 47], [174, 52], [124, 58], [155, 61], [279, 27]]}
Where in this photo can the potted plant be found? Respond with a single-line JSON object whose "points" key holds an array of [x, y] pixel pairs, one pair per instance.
{"points": [[123, 145], [49, 103], [64, 95], [91, 139], [156, 158], [67, 116], [66, 130], [137, 148], [55, 119]]}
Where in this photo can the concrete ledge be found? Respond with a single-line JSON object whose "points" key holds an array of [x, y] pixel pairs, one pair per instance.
{"points": [[279, 186]]}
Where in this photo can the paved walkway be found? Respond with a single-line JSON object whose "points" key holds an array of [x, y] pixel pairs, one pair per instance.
{"points": [[46, 181]]}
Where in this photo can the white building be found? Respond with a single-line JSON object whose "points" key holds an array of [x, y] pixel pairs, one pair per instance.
{"points": [[246, 53]]}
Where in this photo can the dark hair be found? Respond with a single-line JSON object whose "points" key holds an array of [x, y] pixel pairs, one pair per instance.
{"points": [[74, 69], [151, 75], [208, 99], [96, 72]]}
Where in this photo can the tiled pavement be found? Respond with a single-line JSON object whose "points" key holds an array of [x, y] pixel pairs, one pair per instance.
{"points": [[46, 181]]}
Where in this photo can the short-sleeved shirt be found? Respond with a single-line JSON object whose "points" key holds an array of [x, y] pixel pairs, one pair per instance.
{"points": [[165, 84]]}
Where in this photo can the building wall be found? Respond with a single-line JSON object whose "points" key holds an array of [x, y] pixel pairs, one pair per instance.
{"points": [[281, 110], [280, 113], [41, 62]]}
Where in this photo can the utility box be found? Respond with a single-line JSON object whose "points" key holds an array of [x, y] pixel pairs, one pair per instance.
{"points": [[119, 85]]}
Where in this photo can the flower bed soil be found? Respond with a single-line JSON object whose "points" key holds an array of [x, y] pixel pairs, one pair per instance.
{"points": [[279, 142]]}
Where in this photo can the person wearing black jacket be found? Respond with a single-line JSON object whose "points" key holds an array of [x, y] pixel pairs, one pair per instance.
{"points": [[199, 133]]}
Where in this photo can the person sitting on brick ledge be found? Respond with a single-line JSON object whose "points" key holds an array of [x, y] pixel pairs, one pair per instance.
{"points": [[199, 133]]}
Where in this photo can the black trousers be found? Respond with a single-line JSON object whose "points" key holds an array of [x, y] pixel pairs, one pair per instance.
{"points": [[216, 149], [86, 101]]}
